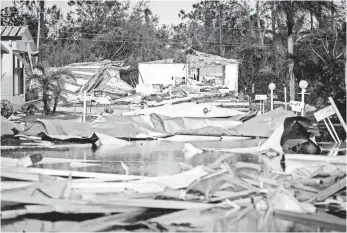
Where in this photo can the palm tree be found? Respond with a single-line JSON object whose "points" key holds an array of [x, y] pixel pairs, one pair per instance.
{"points": [[49, 84], [292, 12]]}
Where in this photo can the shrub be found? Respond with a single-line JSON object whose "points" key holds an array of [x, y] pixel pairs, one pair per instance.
{"points": [[31, 94], [6, 108], [29, 109]]}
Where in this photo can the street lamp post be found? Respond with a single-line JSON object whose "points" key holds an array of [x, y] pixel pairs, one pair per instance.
{"points": [[303, 85], [272, 87]]}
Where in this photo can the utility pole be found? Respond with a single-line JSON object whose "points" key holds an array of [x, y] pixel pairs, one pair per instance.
{"points": [[40, 23], [221, 48], [38, 32]]}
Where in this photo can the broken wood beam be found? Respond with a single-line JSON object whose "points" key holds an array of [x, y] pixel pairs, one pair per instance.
{"points": [[331, 190], [317, 219]]}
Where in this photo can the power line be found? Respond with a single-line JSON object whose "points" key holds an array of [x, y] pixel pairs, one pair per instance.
{"points": [[157, 42]]}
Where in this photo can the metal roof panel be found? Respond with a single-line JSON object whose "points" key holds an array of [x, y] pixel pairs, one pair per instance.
{"points": [[6, 31], [14, 31]]}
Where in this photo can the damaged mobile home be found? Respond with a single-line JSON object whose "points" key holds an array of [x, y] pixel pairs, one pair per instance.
{"points": [[98, 79], [200, 68]]}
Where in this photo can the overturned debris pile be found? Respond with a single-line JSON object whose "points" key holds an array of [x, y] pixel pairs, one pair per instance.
{"points": [[200, 198]]}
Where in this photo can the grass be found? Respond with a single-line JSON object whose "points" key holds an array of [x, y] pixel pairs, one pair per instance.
{"points": [[56, 116]]}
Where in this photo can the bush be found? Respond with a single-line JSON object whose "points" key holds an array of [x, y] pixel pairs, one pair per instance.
{"points": [[6, 108], [31, 94], [29, 109]]}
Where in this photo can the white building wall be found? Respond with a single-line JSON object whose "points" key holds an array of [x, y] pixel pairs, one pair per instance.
{"points": [[161, 73], [9, 81], [6, 77], [231, 77]]}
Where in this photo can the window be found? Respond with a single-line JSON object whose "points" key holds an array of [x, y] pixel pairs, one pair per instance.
{"points": [[14, 70], [198, 76], [20, 81]]}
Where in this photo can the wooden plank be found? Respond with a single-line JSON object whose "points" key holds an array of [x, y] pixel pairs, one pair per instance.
{"points": [[150, 203], [102, 223], [52, 172], [9, 173], [47, 147], [70, 208], [66, 206], [318, 219], [5, 30], [318, 158], [45, 160], [113, 187], [8, 185], [331, 190], [2, 29]]}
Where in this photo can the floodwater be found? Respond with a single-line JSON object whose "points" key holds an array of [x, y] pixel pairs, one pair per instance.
{"points": [[145, 158], [149, 158]]}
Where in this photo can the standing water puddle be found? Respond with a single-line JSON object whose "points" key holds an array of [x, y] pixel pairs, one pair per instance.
{"points": [[145, 158]]}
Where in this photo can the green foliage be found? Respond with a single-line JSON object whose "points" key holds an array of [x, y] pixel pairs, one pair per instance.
{"points": [[31, 94], [6, 108], [48, 82], [29, 109]]}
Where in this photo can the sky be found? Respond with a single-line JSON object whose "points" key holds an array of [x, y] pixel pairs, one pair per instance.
{"points": [[167, 10]]}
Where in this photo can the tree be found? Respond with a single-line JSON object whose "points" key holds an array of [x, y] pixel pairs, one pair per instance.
{"points": [[49, 82], [294, 12]]}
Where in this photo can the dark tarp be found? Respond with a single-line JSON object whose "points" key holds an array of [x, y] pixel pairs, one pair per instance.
{"points": [[296, 138]]}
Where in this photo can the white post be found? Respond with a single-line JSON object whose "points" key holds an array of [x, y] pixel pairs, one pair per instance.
{"points": [[332, 135], [84, 105], [338, 113], [332, 126], [303, 101], [272, 100], [303, 85], [285, 98], [262, 106], [170, 95], [272, 87]]}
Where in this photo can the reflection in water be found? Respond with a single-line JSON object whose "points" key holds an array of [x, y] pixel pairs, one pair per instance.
{"points": [[146, 158]]}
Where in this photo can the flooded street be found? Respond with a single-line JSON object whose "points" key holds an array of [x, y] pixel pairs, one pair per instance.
{"points": [[145, 158]]}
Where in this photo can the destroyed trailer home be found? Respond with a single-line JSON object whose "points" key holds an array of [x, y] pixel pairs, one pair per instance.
{"points": [[220, 71], [98, 79], [200, 68]]}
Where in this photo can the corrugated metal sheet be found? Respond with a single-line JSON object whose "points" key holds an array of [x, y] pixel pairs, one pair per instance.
{"points": [[21, 35], [198, 59], [103, 76]]}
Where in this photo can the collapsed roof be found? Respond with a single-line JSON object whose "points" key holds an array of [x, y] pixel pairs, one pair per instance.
{"points": [[98, 76], [196, 59]]}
